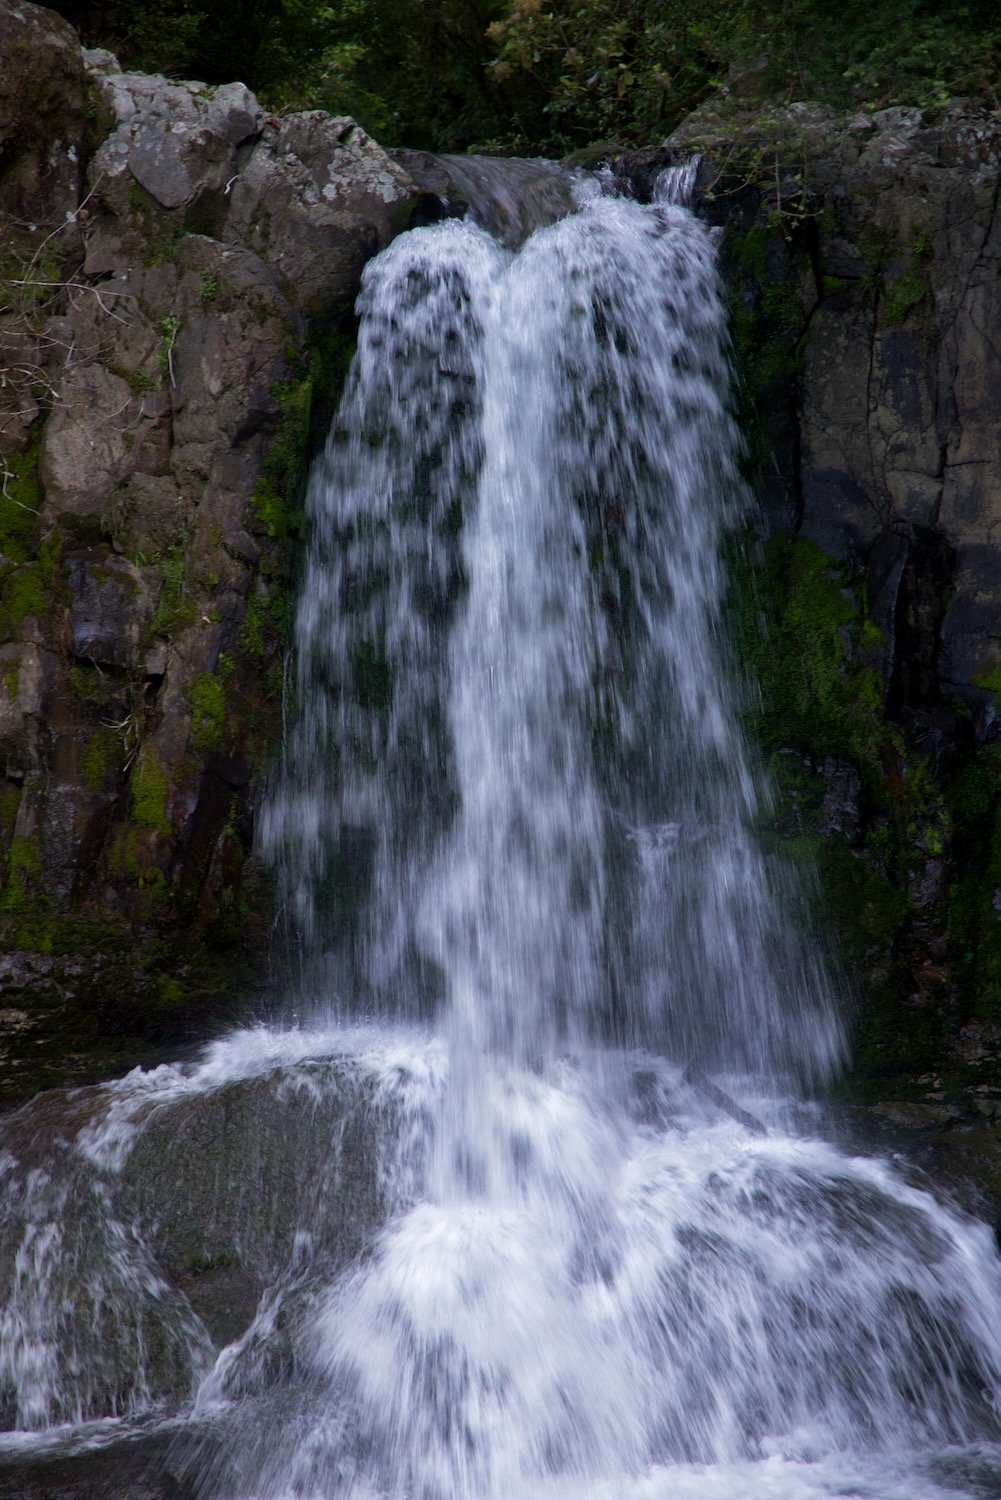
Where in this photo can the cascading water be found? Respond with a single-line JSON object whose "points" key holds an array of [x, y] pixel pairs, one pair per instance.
{"points": [[505, 1238], [514, 725]]}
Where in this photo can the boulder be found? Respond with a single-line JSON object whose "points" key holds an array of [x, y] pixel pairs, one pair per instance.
{"points": [[177, 1199], [178, 141], [316, 198]]}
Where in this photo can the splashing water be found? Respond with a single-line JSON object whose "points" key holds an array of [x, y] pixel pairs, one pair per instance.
{"points": [[515, 830]]}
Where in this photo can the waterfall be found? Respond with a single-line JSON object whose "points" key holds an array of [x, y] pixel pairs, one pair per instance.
{"points": [[514, 729], [498, 1233]]}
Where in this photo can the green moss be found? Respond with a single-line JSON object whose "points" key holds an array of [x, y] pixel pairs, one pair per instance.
{"points": [[814, 663], [329, 354], [11, 681], [902, 296], [990, 680], [878, 246], [170, 993], [277, 495], [171, 566], [91, 685], [29, 590], [24, 873], [305, 402], [21, 500], [137, 380], [175, 611], [767, 326], [10, 803], [799, 620], [166, 249], [102, 758], [974, 923], [139, 199], [22, 593], [168, 327], [208, 712], [267, 627], [149, 792]]}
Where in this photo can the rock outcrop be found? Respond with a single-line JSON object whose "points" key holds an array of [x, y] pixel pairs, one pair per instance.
{"points": [[898, 433], [179, 270]]}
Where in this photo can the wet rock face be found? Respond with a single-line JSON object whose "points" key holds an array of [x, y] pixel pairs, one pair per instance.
{"points": [[877, 243], [180, 270]]}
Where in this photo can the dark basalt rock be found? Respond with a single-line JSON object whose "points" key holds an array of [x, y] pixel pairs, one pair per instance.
{"points": [[184, 268]]}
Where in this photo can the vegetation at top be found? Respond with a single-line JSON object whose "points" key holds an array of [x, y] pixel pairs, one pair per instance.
{"points": [[532, 76]]}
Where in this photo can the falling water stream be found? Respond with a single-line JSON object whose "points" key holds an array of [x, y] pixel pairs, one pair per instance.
{"points": [[525, 1194]]}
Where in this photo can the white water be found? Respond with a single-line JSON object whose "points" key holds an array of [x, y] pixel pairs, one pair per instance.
{"points": [[516, 833]]}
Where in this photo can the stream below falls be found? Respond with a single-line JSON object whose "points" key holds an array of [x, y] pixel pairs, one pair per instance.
{"points": [[526, 1197]]}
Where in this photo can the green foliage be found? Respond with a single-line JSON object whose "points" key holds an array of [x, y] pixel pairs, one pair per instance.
{"points": [[529, 75], [408, 70], [586, 70], [593, 69]]}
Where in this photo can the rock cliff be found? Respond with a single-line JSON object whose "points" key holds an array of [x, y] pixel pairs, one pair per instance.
{"points": [[179, 270]]}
